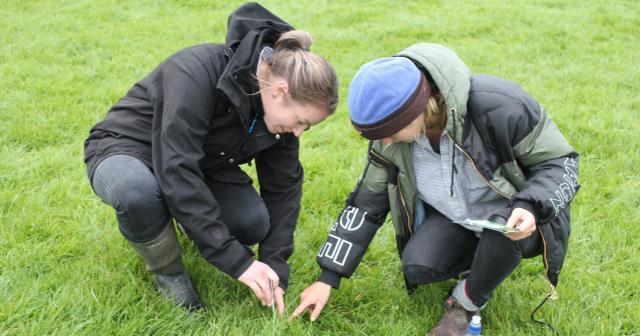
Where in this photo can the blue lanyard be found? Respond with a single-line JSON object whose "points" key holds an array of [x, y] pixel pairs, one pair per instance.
{"points": [[253, 124]]}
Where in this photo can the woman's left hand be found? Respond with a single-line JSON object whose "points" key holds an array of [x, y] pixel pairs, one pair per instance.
{"points": [[524, 221]]}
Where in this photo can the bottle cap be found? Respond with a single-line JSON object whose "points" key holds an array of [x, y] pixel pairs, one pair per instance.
{"points": [[475, 326]]}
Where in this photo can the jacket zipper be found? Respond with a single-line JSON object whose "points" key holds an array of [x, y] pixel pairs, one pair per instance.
{"points": [[544, 241], [476, 168], [553, 294], [404, 205]]}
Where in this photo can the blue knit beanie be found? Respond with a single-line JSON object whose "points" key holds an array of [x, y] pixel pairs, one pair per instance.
{"points": [[385, 96]]}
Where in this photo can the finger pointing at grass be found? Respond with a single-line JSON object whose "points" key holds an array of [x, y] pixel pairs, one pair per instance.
{"points": [[313, 298]]}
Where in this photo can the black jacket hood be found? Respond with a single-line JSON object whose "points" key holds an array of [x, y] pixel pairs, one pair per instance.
{"points": [[250, 27], [251, 17]]}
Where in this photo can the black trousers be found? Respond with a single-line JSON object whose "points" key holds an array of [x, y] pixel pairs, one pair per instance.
{"points": [[441, 250], [130, 187]]}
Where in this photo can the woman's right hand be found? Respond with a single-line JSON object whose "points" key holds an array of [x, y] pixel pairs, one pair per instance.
{"points": [[314, 298], [257, 277]]}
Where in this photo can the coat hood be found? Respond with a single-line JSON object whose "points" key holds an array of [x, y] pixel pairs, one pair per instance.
{"points": [[452, 77], [249, 17], [250, 28]]}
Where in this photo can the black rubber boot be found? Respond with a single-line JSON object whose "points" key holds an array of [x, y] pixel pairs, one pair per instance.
{"points": [[174, 283], [162, 257]]}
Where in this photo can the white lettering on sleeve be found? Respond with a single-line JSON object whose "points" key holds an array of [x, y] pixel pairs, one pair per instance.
{"points": [[350, 217], [566, 190], [336, 249]]}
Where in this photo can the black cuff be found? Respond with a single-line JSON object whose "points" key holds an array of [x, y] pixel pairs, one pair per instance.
{"points": [[242, 265], [282, 272], [527, 206], [330, 278]]}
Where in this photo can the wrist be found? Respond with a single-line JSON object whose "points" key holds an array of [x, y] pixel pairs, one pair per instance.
{"points": [[244, 265], [526, 206], [330, 278]]}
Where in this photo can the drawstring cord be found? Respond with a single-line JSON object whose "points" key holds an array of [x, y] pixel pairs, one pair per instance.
{"points": [[552, 295], [453, 156], [364, 173]]}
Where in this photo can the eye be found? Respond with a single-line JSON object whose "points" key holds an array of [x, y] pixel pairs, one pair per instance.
{"points": [[303, 123]]}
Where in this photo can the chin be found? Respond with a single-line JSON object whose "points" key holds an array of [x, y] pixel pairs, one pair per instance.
{"points": [[270, 129]]}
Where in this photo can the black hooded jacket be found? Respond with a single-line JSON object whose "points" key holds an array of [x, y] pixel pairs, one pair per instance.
{"points": [[188, 121]]}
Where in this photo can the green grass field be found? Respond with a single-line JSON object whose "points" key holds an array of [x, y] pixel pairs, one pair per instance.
{"points": [[65, 269]]}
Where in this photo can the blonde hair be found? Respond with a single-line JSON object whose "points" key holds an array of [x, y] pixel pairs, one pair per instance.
{"points": [[434, 115], [310, 77]]}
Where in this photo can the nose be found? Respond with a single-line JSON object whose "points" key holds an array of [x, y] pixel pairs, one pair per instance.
{"points": [[387, 141], [298, 131]]}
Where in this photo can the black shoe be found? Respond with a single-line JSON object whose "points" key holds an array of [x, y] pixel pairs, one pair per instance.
{"points": [[454, 321], [179, 289]]}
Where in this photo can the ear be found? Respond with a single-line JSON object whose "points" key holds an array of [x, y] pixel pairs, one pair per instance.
{"points": [[280, 89]]}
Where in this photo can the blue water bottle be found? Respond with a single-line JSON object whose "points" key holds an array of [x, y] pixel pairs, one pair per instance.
{"points": [[475, 326]]}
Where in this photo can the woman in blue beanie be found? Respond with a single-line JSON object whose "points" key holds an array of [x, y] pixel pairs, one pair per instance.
{"points": [[449, 149], [171, 149]]}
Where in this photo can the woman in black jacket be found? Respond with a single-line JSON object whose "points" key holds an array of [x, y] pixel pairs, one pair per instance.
{"points": [[171, 149]]}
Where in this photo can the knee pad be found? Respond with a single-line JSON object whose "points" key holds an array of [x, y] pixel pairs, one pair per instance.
{"points": [[141, 212]]}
